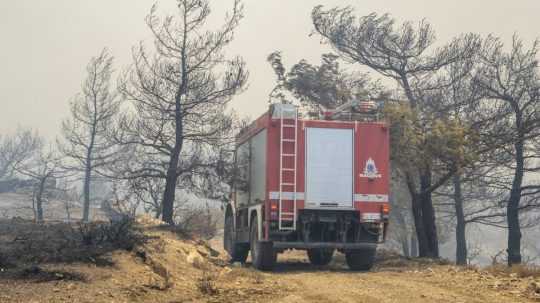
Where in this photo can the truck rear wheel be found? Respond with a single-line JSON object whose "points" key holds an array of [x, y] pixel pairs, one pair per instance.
{"points": [[360, 259], [320, 256], [263, 256], [237, 251]]}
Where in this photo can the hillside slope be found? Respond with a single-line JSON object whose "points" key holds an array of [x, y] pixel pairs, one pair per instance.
{"points": [[168, 267]]}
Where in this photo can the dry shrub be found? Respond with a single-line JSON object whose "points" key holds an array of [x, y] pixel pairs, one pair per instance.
{"points": [[120, 234], [199, 222], [29, 243], [520, 270], [207, 283], [24, 242], [391, 258], [499, 258], [525, 271]]}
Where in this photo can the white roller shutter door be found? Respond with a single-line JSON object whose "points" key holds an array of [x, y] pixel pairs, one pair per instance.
{"points": [[329, 168]]}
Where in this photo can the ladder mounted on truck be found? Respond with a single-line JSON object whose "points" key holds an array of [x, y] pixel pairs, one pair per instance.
{"points": [[288, 114]]}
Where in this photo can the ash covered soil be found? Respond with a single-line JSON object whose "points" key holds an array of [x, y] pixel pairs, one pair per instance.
{"points": [[47, 263]]}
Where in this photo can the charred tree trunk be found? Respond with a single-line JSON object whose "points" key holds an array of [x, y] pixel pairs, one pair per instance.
{"points": [[170, 187], [514, 229], [86, 188], [408, 91], [39, 200], [88, 167], [461, 240], [430, 226], [418, 218], [428, 217], [424, 218], [423, 246], [172, 172]]}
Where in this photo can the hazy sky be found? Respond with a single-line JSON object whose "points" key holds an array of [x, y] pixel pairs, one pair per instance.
{"points": [[45, 45]]}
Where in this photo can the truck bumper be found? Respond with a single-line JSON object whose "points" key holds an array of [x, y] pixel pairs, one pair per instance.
{"points": [[309, 245]]}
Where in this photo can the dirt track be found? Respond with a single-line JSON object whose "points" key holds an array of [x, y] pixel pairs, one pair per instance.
{"points": [[394, 280], [437, 284]]}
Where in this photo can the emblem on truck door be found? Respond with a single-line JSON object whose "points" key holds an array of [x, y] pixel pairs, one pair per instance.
{"points": [[370, 170]]}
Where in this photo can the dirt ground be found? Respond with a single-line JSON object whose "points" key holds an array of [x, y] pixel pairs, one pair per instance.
{"points": [[426, 283], [170, 268]]}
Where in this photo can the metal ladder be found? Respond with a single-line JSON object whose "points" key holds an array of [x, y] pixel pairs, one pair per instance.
{"points": [[286, 216]]}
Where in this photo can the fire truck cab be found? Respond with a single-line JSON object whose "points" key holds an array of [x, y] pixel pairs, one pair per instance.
{"points": [[318, 185]]}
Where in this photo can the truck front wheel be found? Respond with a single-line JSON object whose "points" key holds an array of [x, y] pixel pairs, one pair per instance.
{"points": [[263, 256], [320, 256], [360, 259]]}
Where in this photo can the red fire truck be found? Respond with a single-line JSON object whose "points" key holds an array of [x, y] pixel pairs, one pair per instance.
{"points": [[318, 185]]}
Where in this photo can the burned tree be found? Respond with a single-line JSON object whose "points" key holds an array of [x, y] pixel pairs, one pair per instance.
{"points": [[179, 96], [405, 55], [85, 142], [150, 192], [43, 169], [480, 189], [473, 197], [459, 100], [511, 81], [327, 84], [16, 149]]}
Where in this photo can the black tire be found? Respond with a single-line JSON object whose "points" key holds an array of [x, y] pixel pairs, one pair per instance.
{"points": [[263, 256], [238, 252], [361, 260], [320, 256]]}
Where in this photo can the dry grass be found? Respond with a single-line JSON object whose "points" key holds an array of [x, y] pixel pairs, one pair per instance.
{"points": [[519, 271], [252, 275]]}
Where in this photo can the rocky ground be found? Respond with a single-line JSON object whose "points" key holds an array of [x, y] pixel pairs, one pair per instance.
{"points": [[48, 263]]}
